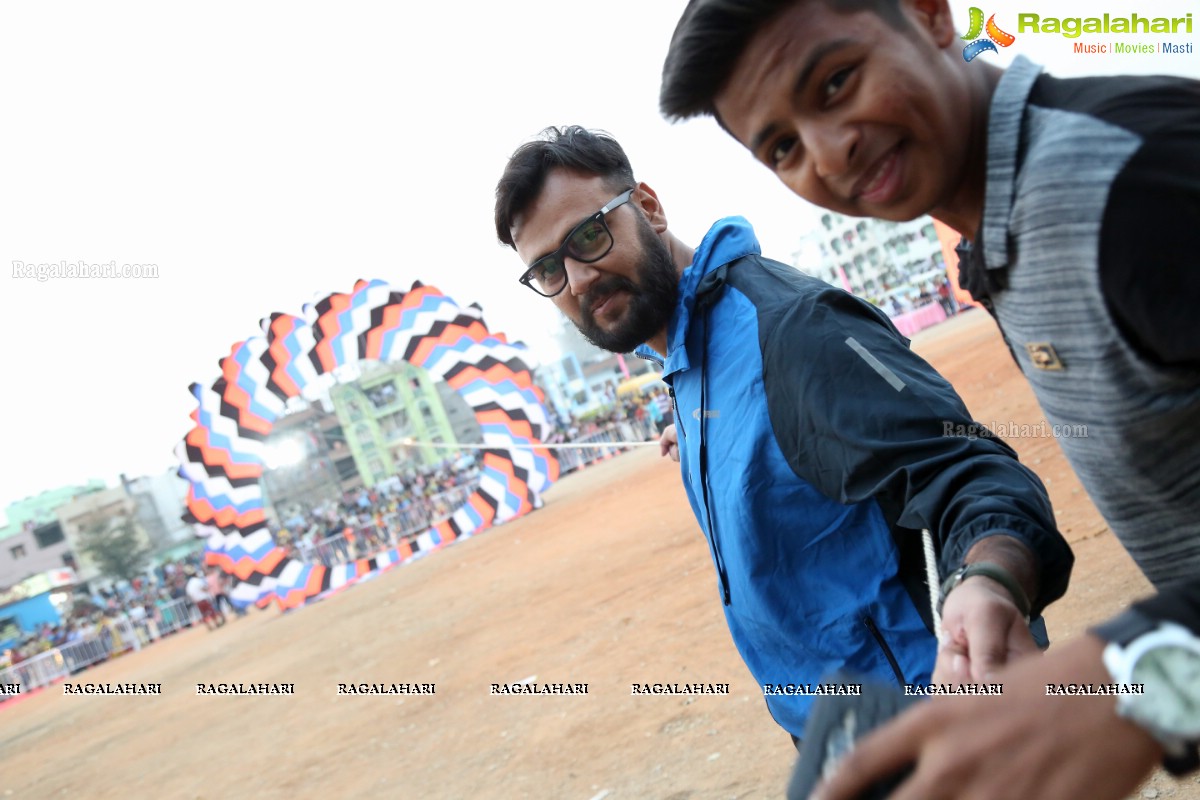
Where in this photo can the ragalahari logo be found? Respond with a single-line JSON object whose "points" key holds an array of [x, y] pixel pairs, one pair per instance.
{"points": [[995, 36]]}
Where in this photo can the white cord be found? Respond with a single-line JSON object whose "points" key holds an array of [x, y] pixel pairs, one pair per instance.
{"points": [[517, 446], [934, 580]]}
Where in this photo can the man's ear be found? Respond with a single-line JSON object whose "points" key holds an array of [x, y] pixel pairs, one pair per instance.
{"points": [[933, 17], [652, 209]]}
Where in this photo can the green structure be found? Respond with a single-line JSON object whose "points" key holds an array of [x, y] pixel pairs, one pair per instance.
{"points": [[40, 509], [389, 406]]}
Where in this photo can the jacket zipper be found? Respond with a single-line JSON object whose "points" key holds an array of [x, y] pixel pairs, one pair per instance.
{"points": [[887, 651], [718, 561], [712, 523]]}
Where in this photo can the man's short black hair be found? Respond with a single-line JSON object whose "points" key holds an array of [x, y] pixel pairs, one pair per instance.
{"points": [[710, 38], [573, 148]]}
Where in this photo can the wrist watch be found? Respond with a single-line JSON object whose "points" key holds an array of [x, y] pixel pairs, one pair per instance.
{"points": [[988, 570], [1165, 659]]}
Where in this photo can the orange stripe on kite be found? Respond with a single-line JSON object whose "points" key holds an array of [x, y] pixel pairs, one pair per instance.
{"points": [[450, 336], [219, 457], [246, 566], [518, 427], [271, 560], [329, 327], [481, 506], [392, 314], [495, 374], [239, 397], [205, 514], [229, 518], [445, 532], [553, 472], [389, 322], [315, 576], [294, 598], [281, 327], [502, 465]]}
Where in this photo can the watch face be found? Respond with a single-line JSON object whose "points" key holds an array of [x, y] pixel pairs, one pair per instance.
{"points": [[1171, 702]]}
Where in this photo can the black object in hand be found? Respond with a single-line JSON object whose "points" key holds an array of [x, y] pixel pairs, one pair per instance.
{"points": [[835, 724]]}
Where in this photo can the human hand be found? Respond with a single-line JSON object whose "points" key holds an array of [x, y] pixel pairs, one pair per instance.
{"points": [[982, 630], [1020, 744], [668, 443]]}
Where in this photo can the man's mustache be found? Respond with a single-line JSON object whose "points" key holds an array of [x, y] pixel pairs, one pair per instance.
{"points": [[598, 293]]}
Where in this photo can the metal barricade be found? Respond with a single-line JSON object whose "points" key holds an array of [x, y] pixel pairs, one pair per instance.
{"points": [[85, 652], [175, 615], [36, 672], [329, 548]]}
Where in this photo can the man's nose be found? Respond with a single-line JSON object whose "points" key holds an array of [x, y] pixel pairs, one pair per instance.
{"points": [[580, 276], [831, 146]]}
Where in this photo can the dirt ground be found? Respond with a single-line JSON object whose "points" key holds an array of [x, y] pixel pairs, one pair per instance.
{"points": [[610, 584]]}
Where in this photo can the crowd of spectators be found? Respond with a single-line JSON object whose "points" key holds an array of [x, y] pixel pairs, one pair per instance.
{"points": [[150, 607], [367, 521]]}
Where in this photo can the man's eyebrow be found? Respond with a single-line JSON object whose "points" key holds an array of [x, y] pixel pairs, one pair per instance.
{"points": [[802, 79]]}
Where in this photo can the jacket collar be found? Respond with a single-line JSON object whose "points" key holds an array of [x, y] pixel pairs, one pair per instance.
{"points": [[989, 252], [727, 240]]}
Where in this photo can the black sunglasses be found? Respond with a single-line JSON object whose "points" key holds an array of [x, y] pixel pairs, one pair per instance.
{"points": [[590, 241]]}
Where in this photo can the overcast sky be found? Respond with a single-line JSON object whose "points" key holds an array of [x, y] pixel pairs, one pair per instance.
{"points": [[265, 154]]}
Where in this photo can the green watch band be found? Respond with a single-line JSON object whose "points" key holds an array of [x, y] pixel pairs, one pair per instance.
{"points": [[988, 570]]}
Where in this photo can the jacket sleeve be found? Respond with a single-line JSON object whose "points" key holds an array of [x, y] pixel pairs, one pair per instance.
{"points": [[860, 416]]}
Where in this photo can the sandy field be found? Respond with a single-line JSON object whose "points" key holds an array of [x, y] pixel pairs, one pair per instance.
{"points": [[610, 584]]}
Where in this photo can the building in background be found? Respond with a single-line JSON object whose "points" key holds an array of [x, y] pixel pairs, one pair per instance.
{"points": [[874, 259], [106, 509], [33, 541], [584, 381], [161, 501], [567, 392], [386, 414], [464, 427]]}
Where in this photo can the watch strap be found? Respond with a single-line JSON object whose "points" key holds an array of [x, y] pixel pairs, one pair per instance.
{"points": [[1125, 627], [1184, 764], [991, 570]]}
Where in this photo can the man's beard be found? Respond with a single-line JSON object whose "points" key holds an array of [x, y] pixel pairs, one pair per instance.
{"points": [[651, 302]]}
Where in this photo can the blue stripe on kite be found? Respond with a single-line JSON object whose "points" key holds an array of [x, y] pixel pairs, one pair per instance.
{"points": [[222, 501], [222, 442], [291, 344], [510, 499], [473, 515], [504, 387], [302, 579], [237, 552], [242, 357], [407, 322], [459, 346]]}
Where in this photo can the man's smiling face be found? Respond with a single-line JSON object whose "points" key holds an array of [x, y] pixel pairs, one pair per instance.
{"points": [[851, 112]]}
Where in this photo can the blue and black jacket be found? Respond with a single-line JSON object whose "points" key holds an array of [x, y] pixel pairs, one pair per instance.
{"points": [[815, 446]]}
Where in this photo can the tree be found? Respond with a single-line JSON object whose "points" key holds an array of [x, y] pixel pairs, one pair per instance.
{"points": [[115, 548]]}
